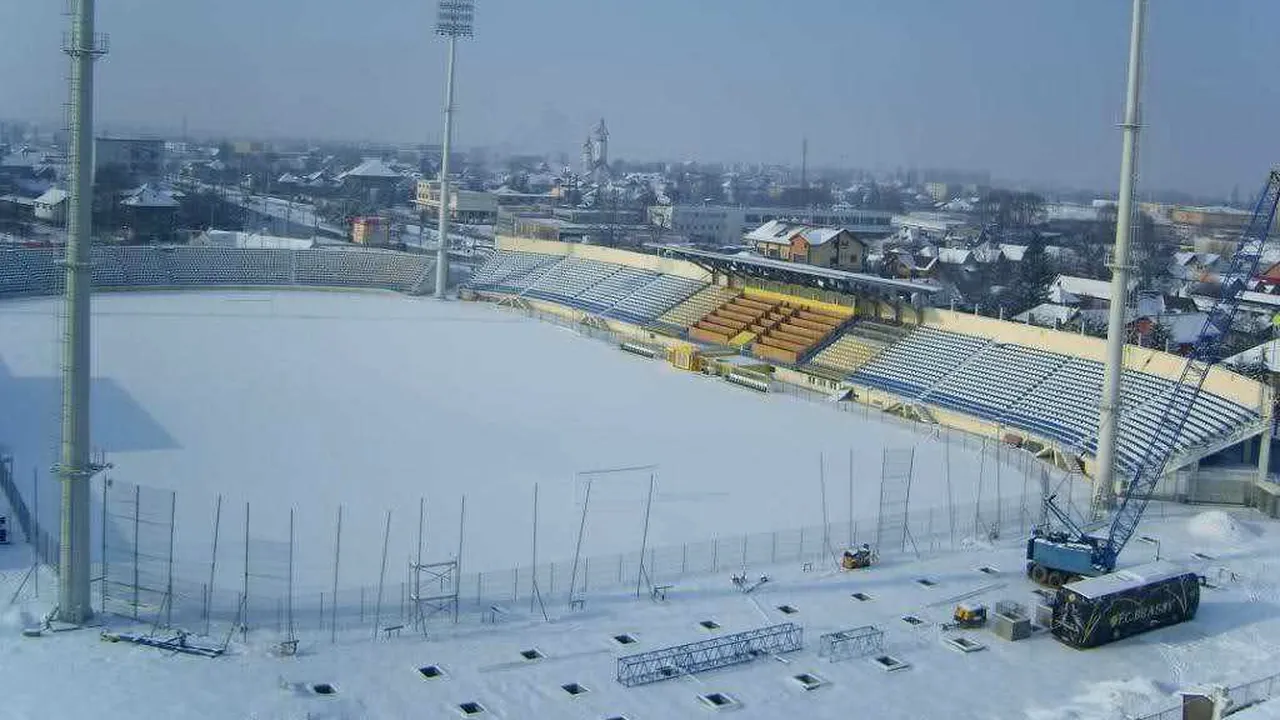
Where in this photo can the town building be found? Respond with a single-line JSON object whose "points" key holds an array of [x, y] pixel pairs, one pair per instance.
{"points": [[372, 180], [831, 247], [371, 230], [1205, 219], [141, 159], [727, 224], [465, 206], [52, 206]]}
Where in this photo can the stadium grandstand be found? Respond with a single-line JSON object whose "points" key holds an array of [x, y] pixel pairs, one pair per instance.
{"points": [[39, 271], [865, 339], [853, 337]]}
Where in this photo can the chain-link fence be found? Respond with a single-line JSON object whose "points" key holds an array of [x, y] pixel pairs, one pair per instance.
{"points": [[255, 584], [248, 576], [1238, 697]]}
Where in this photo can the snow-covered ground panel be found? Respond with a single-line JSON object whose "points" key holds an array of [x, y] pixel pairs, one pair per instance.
{"points": [[1233, 639]]}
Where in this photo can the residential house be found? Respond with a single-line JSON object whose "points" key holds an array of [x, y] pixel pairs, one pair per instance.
{"points": [[831, 247], [52, 206]]}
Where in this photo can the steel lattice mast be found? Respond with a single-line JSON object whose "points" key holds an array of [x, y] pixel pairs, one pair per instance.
{"points": [[455, 20], [75, 467]]}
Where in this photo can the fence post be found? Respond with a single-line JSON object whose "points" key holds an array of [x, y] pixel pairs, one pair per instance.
{"points": [[213, 555], [684, 558], [337, 550], [773, 547], [245, 591], [382, 576], [173, 506], [137, 495], [715, 555]]}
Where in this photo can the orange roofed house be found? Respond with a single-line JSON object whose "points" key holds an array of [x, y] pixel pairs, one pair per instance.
{"points": [[830, 247]]}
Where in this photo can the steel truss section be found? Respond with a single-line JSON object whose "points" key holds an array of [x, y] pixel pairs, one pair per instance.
{"points": [[846, 644], [743, 647]]}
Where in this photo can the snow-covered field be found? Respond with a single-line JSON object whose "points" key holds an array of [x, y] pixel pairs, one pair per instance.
{"points": [[312, 400], [1234, 638]]}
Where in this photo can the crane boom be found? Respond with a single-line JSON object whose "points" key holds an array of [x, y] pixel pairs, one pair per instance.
{"points": [[1204, 354], [1075, 553]]}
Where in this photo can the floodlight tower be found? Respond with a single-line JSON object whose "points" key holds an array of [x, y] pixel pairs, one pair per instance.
{"points": [[75, 467], [1109, 404], [453, 20]]}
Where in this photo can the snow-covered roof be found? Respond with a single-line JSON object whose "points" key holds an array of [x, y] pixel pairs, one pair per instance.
{"points": [[370, 168], [52, 196], [1184, 328], [954, 256], [1126, 579], [1268, 353], [820, 235], [1013, 252], [149, 197], [1250, 297], [1047, 314], [1067, 285], [774, 231]]}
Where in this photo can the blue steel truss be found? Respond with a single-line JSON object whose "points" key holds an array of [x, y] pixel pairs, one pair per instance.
{"points": [[743, 647], [1217, 325]]}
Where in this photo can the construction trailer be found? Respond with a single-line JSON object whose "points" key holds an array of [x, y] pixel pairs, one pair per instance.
{"points": [[1099, 610]]}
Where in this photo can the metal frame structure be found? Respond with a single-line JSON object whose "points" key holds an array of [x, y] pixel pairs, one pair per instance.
{"points": [[852, 643], [445, 575], [895, 498], [743, 647], [455, 19], [801, 274]]}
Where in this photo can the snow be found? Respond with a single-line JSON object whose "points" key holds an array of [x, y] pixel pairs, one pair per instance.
{"points": [[1233, 639], [1218, 526], [314, 400], [1269, 710], [309, 400]]}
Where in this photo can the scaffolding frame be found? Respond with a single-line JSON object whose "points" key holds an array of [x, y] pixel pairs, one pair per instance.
{"points": [[443, 575], [851, 643], [896, 469]]}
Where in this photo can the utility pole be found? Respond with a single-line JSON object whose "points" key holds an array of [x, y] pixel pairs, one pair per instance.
{"points": [[454, 20], [75, 467], [1109, 403]]}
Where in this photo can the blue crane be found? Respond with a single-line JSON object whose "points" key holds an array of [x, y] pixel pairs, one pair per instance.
{"points": [[1058, 555]]}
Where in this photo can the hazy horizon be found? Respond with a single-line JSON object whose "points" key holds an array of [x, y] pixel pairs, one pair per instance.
{"points": [[1028, 91]]}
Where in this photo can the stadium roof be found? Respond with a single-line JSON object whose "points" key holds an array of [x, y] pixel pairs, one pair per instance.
{"points": [[798, 273]]}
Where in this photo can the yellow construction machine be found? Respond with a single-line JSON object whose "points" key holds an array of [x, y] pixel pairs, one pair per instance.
{"points": [[968, 616], [863, 557]]}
